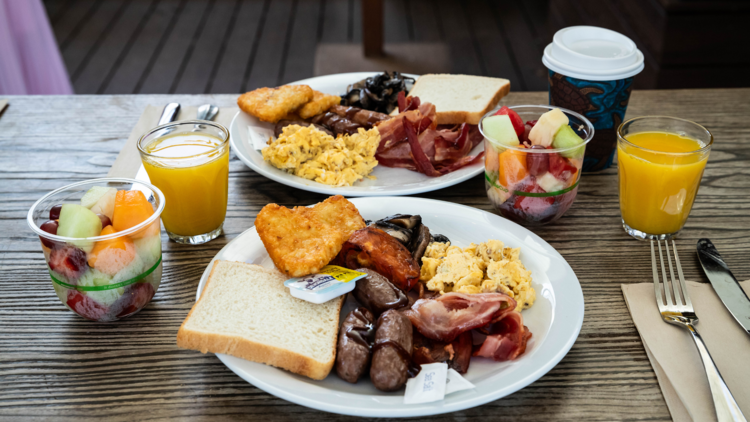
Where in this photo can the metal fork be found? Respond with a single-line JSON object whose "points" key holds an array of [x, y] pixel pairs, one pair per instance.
{"points": [[675, 307]]}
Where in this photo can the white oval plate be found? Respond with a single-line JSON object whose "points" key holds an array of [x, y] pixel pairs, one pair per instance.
{"points": [[389, 181], [554, 320]]}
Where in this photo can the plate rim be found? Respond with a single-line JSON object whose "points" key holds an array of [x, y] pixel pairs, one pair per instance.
{"points": [[426, 409], [330, 190]]}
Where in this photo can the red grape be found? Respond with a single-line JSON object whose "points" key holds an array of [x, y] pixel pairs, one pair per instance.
{"points": [[537, 163], [105, 220], [54, 212], [49, 226]]}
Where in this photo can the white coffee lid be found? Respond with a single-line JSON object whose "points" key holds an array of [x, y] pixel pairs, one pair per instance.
{"points": [[593, 53]]}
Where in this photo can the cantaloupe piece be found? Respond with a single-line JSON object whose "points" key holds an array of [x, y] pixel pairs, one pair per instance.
{"points": [[111, 256], [131, 209]]}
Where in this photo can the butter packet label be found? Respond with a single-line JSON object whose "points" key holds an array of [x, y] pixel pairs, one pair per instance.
{"points": [[332, 281], [428, 385]]}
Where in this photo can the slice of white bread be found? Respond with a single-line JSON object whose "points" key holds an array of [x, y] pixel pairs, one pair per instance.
{"points": [[245, 311], [460, 98]]}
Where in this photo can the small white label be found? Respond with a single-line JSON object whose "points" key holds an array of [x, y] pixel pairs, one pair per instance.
{"points": [[428, 385], [456, 382], [259, 136]]}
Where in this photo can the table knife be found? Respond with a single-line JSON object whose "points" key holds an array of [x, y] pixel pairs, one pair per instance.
{"points": [[725, 285], [168, 115]]}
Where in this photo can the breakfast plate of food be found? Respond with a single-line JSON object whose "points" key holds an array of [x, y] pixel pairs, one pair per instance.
{"points": [[367, 133], [386, 307]]}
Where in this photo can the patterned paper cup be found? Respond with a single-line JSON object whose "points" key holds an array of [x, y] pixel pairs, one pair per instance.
{"points": [[591, 72]]}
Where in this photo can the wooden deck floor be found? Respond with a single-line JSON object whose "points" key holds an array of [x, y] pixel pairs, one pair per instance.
{"points": [[227, 46]]}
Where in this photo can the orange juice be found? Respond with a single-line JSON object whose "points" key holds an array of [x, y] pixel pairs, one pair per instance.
{"points": [[192, 169], [659, 178]]}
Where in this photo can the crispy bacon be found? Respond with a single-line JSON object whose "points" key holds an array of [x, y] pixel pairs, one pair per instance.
{"points": [[453, 313], [413, 140], [507, 338]]}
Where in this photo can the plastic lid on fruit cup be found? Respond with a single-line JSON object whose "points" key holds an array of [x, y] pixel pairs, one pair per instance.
{"points": [[593, 53]]}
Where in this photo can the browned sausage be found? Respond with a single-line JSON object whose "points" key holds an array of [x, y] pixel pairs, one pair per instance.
{"points": [[353, 350], [336, 123], [366, 118], [391, 353], [377, 294]]}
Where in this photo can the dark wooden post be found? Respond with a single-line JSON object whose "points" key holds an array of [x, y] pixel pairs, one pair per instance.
{"points": [[372, 27]]}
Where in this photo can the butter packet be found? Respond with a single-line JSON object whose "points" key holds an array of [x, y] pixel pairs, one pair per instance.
{"points": [[433, 383], [332, 281]]}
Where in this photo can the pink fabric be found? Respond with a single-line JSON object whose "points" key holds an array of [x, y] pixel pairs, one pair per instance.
{"points": [[30, 62]]}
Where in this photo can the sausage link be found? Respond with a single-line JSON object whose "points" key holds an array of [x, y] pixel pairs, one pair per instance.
{"points": [[391, 358], [377, 293], [353, 350]]}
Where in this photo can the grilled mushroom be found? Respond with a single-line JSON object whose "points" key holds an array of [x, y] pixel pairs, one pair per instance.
{"points": [[419, 243], [440, 238]]}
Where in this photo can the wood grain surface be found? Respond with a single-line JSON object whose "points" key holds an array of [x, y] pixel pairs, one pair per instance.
{"points": [[55, 365]]}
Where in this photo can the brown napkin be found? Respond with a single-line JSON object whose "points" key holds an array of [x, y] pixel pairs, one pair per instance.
{"points": [[129, 160], [675, 358]]}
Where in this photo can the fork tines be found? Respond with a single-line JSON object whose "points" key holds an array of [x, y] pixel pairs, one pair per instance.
{"points": [[670, 295]]}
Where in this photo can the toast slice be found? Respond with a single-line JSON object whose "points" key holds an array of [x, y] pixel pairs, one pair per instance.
{"points": [[460, 98], [245, 311]]}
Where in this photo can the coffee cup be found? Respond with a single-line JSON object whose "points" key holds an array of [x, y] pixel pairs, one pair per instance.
{"points": [[591, 72]]}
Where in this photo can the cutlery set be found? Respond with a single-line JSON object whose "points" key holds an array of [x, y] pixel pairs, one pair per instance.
{"points": [[673, 301]]}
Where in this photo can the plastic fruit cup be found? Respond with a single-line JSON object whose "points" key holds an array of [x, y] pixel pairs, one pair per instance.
{"points": [[534, 187], [127, 265]]}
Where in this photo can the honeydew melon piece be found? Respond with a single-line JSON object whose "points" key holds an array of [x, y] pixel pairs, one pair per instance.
{"points": [[566, 137], [106, 203], [547, 126], [94, 195], [149, 249], [499, 131], [94, 277], [79, 222]]}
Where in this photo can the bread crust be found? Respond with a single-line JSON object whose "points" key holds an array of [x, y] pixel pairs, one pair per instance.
{"points": [[459, 117], [238, 346]]}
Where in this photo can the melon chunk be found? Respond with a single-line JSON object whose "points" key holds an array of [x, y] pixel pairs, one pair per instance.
{"points": [[545, 129]]}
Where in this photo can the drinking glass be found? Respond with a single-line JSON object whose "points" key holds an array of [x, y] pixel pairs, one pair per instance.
{"points": [[658, 184], [196, 184]]}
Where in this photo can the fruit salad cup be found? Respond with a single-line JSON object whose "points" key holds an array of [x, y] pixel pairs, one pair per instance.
{"points": [[533, 159], [102, 242]]}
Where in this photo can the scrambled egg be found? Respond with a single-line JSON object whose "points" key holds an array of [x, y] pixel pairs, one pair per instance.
{"points": [[313, 154], [485, 268]]}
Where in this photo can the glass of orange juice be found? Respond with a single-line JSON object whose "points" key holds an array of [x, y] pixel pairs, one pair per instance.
{"points": [[189, 162], [660, 164]]}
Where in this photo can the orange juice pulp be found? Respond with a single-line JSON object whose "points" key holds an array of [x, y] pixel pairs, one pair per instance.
{"points": [[657, 190], [195, 187]]}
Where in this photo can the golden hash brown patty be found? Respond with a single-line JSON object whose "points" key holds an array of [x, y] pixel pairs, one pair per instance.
{"points": [[273, 104], [303, 240], [320, 104]]}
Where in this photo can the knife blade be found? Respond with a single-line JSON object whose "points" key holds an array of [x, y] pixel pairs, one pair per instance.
{"points": [[724, 283], [168, 115]]}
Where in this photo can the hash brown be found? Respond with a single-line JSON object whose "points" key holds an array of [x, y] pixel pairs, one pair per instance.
{"points": [[303, 240], [273, 104], [320, 104]]}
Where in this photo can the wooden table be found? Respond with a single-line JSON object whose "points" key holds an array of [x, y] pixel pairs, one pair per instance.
{"points": [[53, 364]]}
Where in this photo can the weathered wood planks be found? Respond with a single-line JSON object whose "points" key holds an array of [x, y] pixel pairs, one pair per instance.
{"points": [[54, 365]]}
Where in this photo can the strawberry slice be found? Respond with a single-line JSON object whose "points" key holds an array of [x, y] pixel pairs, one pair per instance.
{"points": [[68, 261], [517, 121], [85, 306], [561, 168]]}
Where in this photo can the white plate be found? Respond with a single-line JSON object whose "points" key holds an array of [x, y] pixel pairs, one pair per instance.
{"points": [[554, 320], [390, 181]]}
